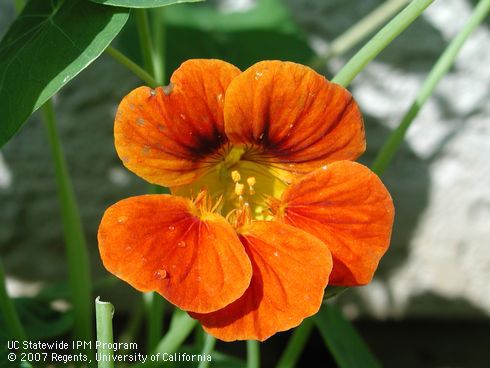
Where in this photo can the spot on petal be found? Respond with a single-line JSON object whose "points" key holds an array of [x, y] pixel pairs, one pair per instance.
{"points": [[140, 121], [181, 244], [153, 93], [161, 274], [146, 149], [122, 219]]}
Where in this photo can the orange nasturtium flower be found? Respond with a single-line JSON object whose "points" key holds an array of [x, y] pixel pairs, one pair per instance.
{"points": [[266, 203]]}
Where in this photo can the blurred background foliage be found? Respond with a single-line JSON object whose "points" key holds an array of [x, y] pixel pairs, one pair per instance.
{"points": [[241, 32]]}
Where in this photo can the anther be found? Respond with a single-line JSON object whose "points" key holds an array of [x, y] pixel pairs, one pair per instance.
{"points": [[235, 175], [251, 182], [239, 189]]}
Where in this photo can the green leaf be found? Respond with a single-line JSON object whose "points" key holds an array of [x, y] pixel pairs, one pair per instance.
{"points": [[47, 46], [347, 347], [142, 3]]}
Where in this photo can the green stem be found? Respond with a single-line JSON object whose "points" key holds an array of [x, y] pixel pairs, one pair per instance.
{"points": [[181, 326], [253, 354], [159, 36], [333, 291], [357, 32], [145, 39], [209, 342], [441, 67], [154, 304], [10, 317], [382, 39], [132, 66], [199, 337], [296, 344], [103, 316], [76, 248], [19, 5]]}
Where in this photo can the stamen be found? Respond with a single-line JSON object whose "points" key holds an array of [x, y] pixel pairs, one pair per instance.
{"points": [[217, 204], [235, 175], [244, 216], [251, 182], [200, 197], [239, 189]]}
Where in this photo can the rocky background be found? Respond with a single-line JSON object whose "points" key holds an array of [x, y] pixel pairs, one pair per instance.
{"points": [[439, 262]]}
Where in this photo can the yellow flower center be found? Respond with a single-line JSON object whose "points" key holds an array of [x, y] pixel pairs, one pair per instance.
{"points": [[241, 181]]}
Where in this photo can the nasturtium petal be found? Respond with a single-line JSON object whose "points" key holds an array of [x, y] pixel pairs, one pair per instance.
{"points": [[298, 119], [346, 206], [171, 135], [161, 243], [290, 272]]}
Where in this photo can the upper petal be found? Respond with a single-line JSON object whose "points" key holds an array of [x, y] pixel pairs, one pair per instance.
{"points": [[297, 118], [290, 273], [170, 134], [347, 206], [156, 242]]}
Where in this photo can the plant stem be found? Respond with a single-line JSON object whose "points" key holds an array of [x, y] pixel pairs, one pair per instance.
{"points": [[132, 66], [296, 344], [76, 248], [103, 315], [209, 342], [333, 291], [441, 67], [357, 32], [159, 37], [253, 354], [15, 331], [154, 305], [19, 5], [199, 336], [181, 326], [145, 39], [382, 39]]}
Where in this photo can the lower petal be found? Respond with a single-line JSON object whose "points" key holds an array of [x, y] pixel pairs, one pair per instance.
{"points": [[290, 273], [159, 243], [347, 206]]}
